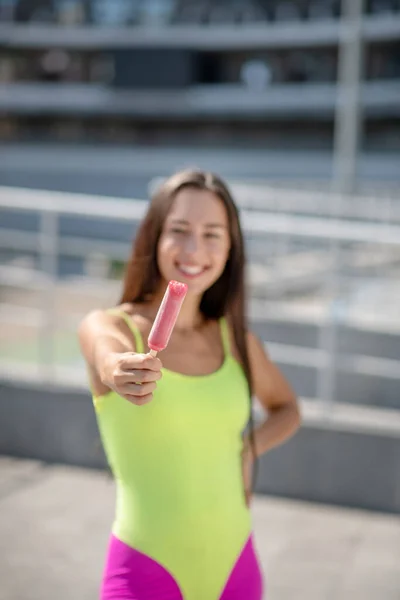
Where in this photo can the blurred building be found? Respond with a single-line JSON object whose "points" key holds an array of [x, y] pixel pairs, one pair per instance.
{"points": [[204, 71]]}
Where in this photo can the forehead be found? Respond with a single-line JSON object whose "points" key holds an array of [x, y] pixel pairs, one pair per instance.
{"points": [[198, 206]]}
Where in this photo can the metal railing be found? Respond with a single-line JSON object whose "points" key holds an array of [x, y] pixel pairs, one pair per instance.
{"points": [[296, 278], [376, 203]]}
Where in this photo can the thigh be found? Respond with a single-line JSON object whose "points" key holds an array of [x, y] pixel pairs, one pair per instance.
{"points": [[245, 580], [131, 575]]}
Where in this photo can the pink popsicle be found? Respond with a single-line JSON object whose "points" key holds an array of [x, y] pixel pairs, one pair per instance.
{"points": [[166, 316]]}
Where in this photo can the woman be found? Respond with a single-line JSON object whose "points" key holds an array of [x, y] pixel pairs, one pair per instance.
{"points": [[174, 432]]}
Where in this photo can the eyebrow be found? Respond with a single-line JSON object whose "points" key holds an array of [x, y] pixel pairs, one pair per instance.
{"points": [[209, 225]]}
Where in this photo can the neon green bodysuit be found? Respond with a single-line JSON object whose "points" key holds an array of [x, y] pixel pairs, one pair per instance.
{"points": [[177, 466]]}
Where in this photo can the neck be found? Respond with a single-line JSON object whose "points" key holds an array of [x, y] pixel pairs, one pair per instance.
{"points": [[189, 317]]}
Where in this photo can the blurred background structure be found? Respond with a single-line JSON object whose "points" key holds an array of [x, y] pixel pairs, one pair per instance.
{"points": [[261, 73], [297, 104]]}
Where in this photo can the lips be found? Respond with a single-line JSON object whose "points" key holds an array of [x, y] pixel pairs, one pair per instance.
{"points": [[191, 271]]}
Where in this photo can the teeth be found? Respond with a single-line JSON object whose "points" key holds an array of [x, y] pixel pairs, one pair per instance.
{"points": [[190, 270]]}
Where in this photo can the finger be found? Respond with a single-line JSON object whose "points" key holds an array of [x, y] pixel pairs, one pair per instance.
{"points": [[143, 361], [141, 376], [139, 401], [139, 389]]}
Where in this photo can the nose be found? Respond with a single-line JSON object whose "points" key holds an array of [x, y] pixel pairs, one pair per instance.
{"points": [[192, 245]]}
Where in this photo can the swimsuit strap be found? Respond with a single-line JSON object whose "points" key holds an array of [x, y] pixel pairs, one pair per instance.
{"points": [[139, 344], [226, 343]]}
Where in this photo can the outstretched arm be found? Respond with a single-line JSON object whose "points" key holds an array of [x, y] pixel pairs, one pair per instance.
{"points": [[110, 355]]}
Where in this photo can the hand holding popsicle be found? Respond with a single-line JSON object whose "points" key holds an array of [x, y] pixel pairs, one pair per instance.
{"points": [[166, 316], [134, 376]]}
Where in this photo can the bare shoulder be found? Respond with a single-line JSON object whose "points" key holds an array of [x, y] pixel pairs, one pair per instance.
{"points": [[255, 347], [103, 324], [137, 313], [101, 318], [270, 385], [97, 318], [262, 365]]}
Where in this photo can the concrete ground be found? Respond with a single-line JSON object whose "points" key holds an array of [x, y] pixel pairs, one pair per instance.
{"points": [[55, 520]]}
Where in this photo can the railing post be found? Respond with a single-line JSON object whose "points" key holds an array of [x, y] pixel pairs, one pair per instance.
{"points": [[348, 107], [346, 147], [49, 266]]}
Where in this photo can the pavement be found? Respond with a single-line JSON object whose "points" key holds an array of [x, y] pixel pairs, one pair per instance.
{"points": [[55, 521]]}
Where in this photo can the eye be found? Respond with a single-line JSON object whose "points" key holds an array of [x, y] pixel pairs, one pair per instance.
{"points": [[178, 230], [212, 235]]}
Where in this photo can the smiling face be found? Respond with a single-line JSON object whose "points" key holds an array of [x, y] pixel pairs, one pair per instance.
{"points": [[194, 243]]}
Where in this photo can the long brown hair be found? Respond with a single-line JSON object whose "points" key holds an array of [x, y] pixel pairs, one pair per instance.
{"points": [[226, 297]]}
